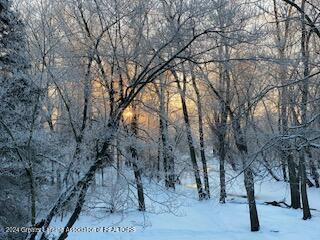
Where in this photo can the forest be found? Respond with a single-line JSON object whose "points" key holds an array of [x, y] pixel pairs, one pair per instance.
{"points": [[159, 119]]}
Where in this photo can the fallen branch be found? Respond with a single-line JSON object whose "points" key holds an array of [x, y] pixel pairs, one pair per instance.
{"points": [[281, 204]]}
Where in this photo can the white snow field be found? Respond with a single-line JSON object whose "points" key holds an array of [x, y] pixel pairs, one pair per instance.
{"points": [[180, 216]]}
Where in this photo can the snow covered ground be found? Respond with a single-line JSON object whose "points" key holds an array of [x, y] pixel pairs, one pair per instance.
{"points": [[179, 216]]}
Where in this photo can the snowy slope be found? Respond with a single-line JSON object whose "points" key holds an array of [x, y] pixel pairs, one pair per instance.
{"points": [[188, 219]]}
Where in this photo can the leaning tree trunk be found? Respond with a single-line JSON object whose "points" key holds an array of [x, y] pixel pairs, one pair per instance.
{"points": [[201, 138], [78, 190], [201, 193]]}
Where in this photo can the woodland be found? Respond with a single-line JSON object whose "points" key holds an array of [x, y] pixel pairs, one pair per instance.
{"points": [[117, 107]]}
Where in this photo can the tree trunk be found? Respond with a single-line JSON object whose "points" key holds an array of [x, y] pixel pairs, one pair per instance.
{"points": [[303, 187], [248, 174], [166, 150], [303, 109], [69, 194], [32, 194], [222, 115], [294, 182], [76, 212], [118, 158], [201, 138], [201, 192], [137, 176], [314, 171], [284, 169], [102, 177], [222, 174], [52, 173], [159, 159], [286, 154], [136, 168], [249, 185]]}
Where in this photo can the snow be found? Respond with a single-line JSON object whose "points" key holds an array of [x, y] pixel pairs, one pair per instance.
{"points": [[189, 219]]}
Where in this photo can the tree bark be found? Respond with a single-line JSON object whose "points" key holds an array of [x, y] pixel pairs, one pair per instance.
{"points": [[136, 167], [201, 137], [303, 187], [284, 103], [201, 192], [248, 174], [32, 194], [294, 182], [303, 109], [314, 171], [165, 150]]}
